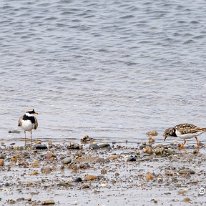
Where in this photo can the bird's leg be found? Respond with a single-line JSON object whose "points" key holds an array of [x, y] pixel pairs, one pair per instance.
{"points": [[184, 142], [31, 137], [198, 143], [25, 138], [182, 146]]}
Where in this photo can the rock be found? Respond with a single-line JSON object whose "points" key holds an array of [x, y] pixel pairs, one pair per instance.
{"points": [[187, 200], [90, 177], [40, 147], [84, 166], [78, 179], [14, 131], [48, 202], [131, 158], [149, 176], [1, 162], [152, 133], [35, 164], [151, 140], [186, 171], [67, 160], [104, 145], [93, 146], [114, 157], [154, 200], [65, 184], [183, 191], [74, 146], [35, 172], [86, 139], [103, 171], [159, 150], [85, 186], [148, 150], [46, 170], [50, 155]]}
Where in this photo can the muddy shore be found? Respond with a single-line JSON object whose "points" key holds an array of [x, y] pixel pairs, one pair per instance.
{"points": [[90, 172]]}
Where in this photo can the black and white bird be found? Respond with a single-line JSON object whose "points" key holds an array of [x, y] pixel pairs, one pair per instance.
{"points": [[28, 122], [185, 131]]}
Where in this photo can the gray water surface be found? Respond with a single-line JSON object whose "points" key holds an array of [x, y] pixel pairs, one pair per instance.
{"points": [[110, 69]]}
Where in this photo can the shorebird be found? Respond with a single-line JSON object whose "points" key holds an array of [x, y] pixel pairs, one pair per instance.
{"points": [[184, 131], [28, 122]]}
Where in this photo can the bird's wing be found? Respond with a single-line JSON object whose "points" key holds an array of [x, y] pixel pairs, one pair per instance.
{"points": [[35, 123], [20, 121], [187, 128]]}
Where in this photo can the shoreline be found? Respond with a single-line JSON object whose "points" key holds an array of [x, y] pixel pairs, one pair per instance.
{"points": [[96, 173]]}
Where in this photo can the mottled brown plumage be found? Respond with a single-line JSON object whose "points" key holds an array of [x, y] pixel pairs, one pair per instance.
{"points": [[184, 131]]}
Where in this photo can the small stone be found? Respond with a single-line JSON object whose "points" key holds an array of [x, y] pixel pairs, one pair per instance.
{"points": [[152, 133], [40, 146], [78, 179], [74, 146], [149, 176], [86, 139], [103, 171], [67, 160], [113, 157], [14, 131], [131, 158], [186, 171], [1, 162], [35, 172], [154, 200], [46, 170], [159, 150], [35, 164], [48, 202], [104, 145], [85, 186], [90, 177], [187, 200], [50, 155], [93, 146], [182, 191], [148, 150]]}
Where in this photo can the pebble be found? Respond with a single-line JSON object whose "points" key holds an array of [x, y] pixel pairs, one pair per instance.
{"points": [[67, 160], [74, 146], [104, 145], [78, 179], [93, 146], [90, 177], [86, 139], [40, 147], [14, 131], [152, 133], [48, 202], [132, 158], [1, 162], [186, 171]]}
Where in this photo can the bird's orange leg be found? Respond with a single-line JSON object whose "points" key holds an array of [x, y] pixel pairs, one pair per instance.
{"points": [[198, 142], [182, 146]]}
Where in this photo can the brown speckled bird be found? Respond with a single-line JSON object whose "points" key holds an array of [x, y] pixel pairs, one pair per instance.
{"points": [[184, 131]]}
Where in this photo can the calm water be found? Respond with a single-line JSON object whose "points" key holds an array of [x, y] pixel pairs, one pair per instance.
{"points": [[110, 69]]}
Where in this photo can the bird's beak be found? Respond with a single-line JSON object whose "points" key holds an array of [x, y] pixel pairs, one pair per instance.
{"points": [[36, 113]]}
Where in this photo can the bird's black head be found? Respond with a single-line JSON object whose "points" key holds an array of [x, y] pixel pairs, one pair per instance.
{"points": [[31, 112], [169, 132]]}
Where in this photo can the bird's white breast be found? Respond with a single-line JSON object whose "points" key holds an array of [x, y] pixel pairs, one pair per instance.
{"points": [[27, 125], [188, 135]]}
